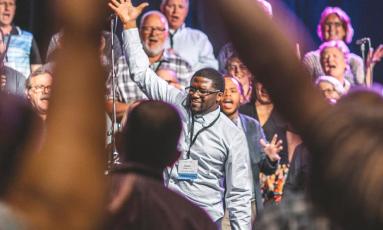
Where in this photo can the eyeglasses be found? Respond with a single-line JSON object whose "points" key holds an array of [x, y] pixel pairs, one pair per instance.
{"points": [[150, 29], [8, 4], [41, 88], [202, 92], [335, 24]]}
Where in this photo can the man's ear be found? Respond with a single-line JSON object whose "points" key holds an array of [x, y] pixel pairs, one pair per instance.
{"points": [[219, 97], [27, 94]]}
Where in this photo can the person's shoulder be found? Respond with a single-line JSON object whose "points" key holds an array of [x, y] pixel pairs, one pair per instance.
{"points": [[195, 33], [12, 72], [311, 54], [249, 119], [19, 31], [226, 122], [174, 206], [228, 131], [355, 58]]}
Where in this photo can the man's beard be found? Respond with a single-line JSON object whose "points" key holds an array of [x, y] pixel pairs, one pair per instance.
{"points": [[151, 52]]}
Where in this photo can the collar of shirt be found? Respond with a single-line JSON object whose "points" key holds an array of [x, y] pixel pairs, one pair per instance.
{"points": [[238, 122], [15, 31], [173, 31], [166, 55], [208, 118], [164, 58]]}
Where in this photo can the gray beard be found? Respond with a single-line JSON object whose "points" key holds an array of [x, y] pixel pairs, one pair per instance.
{"points": [[152, 52]]}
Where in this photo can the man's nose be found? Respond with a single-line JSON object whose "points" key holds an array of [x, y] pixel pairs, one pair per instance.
{"points": [[196, 95], [47, 90], [175, 10]]}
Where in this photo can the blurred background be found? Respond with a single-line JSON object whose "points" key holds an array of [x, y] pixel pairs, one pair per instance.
{"points": [[366, 15]]}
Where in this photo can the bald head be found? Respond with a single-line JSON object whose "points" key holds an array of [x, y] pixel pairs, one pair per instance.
{"points": [[154, 32]]}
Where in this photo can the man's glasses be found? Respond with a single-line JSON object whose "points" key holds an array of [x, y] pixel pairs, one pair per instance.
{"points": [[202, 92], [41, 88], [150, 29], [335, 24], [7, 4]]}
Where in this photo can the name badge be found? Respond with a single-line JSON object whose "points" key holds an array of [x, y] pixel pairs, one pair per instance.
{"points": [[187, 169]]}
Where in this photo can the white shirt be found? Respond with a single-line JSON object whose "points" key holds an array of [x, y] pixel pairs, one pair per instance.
{"points": [[221, 150], [193, 46]]}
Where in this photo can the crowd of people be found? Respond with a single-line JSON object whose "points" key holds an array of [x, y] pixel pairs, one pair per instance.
{"points": [[232, 142]]}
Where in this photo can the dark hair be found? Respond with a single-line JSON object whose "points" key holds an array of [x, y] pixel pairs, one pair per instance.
{"points": [[347, 162], [17, 119], [151, 135], [213, 75]]}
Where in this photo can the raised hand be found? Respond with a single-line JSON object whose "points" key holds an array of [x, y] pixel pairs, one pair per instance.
{"points": [[373, 57], [127, 13], [273, 148]]}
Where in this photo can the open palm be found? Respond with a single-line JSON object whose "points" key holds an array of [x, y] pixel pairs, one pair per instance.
{"points": [[273, 148], [126, 11]]}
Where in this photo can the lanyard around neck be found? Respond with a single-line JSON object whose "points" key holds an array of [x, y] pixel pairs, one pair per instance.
{"points": [[193, 140]]}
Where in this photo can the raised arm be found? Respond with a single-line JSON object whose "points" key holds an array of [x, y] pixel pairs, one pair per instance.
{"points": [[270, 56], [148, 81], [61, 185]]}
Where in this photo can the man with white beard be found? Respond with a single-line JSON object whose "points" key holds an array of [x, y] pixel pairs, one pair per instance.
{"points": [[154, 31]]}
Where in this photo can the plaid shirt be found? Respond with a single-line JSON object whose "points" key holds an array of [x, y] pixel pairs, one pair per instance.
{"points": [[127, 90], [173, 61]]}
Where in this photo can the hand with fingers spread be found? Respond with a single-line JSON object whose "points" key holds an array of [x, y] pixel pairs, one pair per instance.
{"points": [[127, 13], [273, 148]]}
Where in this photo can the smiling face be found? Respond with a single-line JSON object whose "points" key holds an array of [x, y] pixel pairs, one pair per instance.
{"points": [[7, 12], [208, 100], [237, 69], [153, 33], [39, 92], [231, 98], [329, 91], [333, 28], [333, 63], [176, 12]]}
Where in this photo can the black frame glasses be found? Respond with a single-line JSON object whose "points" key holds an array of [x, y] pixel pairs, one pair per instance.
{"points": [[201, 92]]}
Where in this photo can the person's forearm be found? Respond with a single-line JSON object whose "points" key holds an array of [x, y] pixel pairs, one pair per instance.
{"points": [[121, 109], [63, 184]]}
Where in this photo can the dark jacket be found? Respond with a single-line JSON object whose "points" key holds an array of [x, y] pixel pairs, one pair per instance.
{"points": [[259, 161]]}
